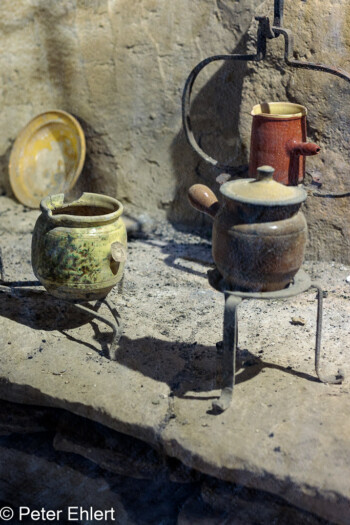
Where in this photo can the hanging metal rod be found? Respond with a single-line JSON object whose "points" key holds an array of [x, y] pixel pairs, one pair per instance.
{"points": [[266, 32], [278, 13]]}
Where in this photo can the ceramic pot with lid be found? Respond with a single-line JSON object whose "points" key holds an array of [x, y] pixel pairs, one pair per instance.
{"points": [[79, 248], [259, 233]]}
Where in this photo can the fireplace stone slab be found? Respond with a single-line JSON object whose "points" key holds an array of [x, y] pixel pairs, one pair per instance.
{"points": [[285, 432]]}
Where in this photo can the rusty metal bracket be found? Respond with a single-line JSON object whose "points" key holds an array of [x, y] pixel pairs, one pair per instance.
{"points": [[266, 31], [288, 56]]}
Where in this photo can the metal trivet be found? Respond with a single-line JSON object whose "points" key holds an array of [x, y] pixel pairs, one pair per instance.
{"points": [[89, 308], [301, 283]]}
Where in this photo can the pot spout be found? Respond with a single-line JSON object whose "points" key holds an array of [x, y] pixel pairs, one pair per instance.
{"points": [[303, 148]]}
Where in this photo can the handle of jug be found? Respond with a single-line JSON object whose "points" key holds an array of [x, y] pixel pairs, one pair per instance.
{"points": [[203, 199], [118, 252]]}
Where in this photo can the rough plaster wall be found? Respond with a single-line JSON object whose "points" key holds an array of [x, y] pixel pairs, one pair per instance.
{"points": [[321, 34], [120, 67]]}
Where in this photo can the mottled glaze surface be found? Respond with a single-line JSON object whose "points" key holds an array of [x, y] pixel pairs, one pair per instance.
{"points": [[258, 256], [72, 254]]}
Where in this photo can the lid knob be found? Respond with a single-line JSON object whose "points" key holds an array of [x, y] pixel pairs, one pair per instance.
{"points": [[265, 173]]}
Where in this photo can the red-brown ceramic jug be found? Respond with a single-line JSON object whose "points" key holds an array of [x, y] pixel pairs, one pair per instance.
{"points": [[278, 139]]}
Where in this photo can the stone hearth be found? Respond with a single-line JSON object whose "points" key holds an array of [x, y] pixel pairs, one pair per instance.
{"points": [[72, 418]]}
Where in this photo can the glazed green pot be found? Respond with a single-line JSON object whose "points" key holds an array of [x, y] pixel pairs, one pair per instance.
{"points": [[79, 248]]}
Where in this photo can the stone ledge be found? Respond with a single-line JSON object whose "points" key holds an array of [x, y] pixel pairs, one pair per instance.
{"points": [[285, 432], [107, 469]]}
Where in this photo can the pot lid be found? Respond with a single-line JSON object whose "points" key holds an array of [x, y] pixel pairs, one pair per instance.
{"points": [[47, 157], [263, 191]]}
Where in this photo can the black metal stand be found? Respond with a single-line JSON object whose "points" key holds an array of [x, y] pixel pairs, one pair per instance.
{"points": [[300, 284]]}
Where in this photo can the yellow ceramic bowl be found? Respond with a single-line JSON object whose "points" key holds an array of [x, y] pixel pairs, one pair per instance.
{"points": [[47, 157]]}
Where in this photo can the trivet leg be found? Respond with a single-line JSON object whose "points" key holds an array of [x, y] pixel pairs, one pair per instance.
{"points": [[117, 331], [333, 379], [2, 273], [229, 352], [116, 325]]}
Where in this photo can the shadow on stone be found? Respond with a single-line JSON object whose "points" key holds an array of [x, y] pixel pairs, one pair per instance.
{"points": [[99, 174], [190, 367], [188, 253], [4, 172], [40, 311]]}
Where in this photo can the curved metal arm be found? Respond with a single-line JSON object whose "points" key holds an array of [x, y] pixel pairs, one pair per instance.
{"points": [[288, 56], [186, 104], [264, 32], [338, 72]]}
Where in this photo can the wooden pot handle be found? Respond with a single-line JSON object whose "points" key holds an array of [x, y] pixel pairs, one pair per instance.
{"points": [[203, 199]]}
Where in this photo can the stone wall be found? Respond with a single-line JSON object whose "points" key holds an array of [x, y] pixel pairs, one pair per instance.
{"points": [[120, 67], [321, 34]]}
